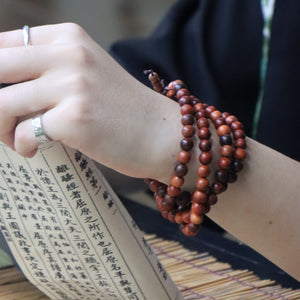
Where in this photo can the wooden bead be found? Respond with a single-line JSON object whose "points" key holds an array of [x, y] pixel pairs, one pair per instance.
{"points": [[181, 92], [178, 218], [202, 184], [170, 94], [225, 115], [219, 122], [209, 110], [183, 157], [239, 153], [153, 185], [223, 129], [215, 115], [240, 143], [204, 133], [168, 202], [237, 166], [186, 217], [188, 130], [230, 119], [226, 139], [198, 208], [236, 125], [186, 109], [187, 119], [172, 84], [165, 214], [221, 176], [218, 187], [159, 201], [198, 106], [171, 216], [199, 197], [203, 171], [181, 170], [186, 144], [212, 199], [202, 122], [173, 191], [205, 158], [205, 145], [187, 231], [196, 219], [224, 163], [184, 100], [232, 177], [226, 150], [239, 134], [177, 181], [201, 114]]}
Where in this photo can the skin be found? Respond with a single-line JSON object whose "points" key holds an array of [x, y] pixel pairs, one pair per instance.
{"points": [[90, 103]]}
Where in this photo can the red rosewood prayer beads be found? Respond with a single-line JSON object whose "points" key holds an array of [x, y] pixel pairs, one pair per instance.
{"points": [[182, 207]]}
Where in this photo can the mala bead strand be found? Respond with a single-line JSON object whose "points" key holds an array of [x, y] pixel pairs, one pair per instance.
{"points": [[182, 207]]}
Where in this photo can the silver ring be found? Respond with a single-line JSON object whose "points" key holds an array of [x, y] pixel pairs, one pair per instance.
{"points": [[26, 35], [38, 131]]}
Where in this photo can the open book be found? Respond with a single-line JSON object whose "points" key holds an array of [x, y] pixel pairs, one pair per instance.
{"points": [[69, 232]]}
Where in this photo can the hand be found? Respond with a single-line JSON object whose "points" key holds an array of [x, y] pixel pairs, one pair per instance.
{"points": [[88, 102]]}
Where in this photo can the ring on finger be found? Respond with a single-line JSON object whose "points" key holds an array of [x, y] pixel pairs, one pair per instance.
{"points": [[26, 35], [38, 131]]}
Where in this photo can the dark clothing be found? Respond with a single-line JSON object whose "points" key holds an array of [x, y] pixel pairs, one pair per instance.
{"points": [[215, 47]]}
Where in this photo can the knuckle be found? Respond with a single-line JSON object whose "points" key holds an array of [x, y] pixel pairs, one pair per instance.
{"points": [[73, 29]]}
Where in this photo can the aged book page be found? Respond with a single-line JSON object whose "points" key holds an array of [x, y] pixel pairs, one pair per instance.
{"points": [[69, 232]]}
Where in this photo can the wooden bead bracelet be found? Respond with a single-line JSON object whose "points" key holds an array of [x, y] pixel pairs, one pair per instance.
{"points": [[182, 207]]}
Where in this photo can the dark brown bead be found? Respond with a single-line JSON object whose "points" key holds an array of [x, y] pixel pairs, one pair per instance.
{"points": [[225, 115], [183, 157], [205, 145], [232, 177], [177, 181], [181, 92], [224, 163], [186, 230], [205, 158], [186, 109], [188, 130], [165, 214], [187, 119], [202, 184], [171, 216], [173, 191], [218, 187], [226, 150], [186, 217], [237, 166], [223, 129], [161, 191], [239, 153], [194, 101], [147, 180], [212, 199], [186, 144], [226, 139], [219, 122], [221, 176], [199, 197], [168, 202], [239, 134], [202, 122], [181, 170], [198, 107], [204, 133], [215, 115], [236, 125], [178, 218], [184, 100], [203, 171], [159, 201], [153, 185], [240, 143]]}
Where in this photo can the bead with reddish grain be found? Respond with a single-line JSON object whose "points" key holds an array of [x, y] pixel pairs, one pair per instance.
{"points": [[225, 115], [209, 110], [203, 171], [202, 122], [196, 219], [177, 181], [184, 100], [193, 227], [159, 201], [224, 163], [204, 133], [173, 191], [162, 190], [153, 185], [226, 150], [172, 84], [225, 139], [186, 217], [198, 208], [165, 214], [223, 129], [240, 143], [215, 115], [219, 122], [201, 114], [239, 153], [186, 230], [212, 199], [171, 216], [183, 157], [202, 184], [218, 187], [205, 145], [178, 218], [181, 170], [186, 144], [230, 119], [186, 109], [236, 125], [170, 94], [239, 134], [188, 130], [199, 197], [187, 119], [182, 92], [205, 158], [198, 107], [168, 202]]}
